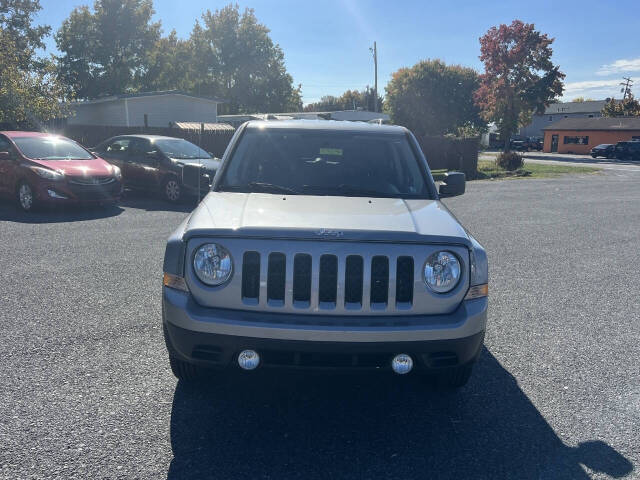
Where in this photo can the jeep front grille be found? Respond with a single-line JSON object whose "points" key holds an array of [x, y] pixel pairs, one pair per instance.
{"points": [[327, 278], [301, 279]]}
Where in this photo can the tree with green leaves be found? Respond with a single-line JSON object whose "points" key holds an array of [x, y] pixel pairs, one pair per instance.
{"points": [[349, 100], [168, 65], [433, 98], [629, 107], [27, 96], [236, 60], [16, 22], [106, 50], [519, 78]]}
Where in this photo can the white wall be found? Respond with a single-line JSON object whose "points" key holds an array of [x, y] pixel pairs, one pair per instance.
{"points": [[160, 110], [105, 113], [163, 109]]}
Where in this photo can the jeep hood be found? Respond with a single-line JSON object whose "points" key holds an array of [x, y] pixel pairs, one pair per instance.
{"points": [[324, 217]]}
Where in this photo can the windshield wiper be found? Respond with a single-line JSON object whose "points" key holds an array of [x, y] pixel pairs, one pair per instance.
{"points": [[260, 186]]}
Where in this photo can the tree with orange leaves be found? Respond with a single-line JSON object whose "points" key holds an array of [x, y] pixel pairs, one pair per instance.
{"points": [[519, 78]]}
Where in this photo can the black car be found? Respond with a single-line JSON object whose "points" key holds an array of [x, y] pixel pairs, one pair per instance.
{"points": [[606, 150], [517, 144], [628, 150], [534, 143], [171, 166]]}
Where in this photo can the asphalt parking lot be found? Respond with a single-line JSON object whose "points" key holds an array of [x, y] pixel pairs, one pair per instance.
{"points": [[87, 391]]}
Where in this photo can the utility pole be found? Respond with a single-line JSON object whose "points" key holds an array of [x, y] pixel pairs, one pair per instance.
{"points": [[626, 87], [374, 51]]}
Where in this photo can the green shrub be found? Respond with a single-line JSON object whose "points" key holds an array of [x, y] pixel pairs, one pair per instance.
{"points": [[510, 161]]}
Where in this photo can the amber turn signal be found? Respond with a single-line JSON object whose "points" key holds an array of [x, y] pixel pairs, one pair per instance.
{"points": [[477, 291], [174, 281]]}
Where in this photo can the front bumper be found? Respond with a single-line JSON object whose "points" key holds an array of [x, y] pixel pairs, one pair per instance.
{"points": [[62, 193], [213, 337]]}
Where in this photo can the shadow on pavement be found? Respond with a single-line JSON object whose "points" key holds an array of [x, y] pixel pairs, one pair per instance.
{"points": [[10, 212], [309, 426], [153, 203]]}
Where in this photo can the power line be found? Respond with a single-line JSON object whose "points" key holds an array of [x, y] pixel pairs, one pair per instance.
{"points": [[626, 87]]}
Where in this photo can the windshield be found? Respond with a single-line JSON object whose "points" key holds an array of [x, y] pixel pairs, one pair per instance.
{"points": [[51, 148], [180, 149], [325, 163]]}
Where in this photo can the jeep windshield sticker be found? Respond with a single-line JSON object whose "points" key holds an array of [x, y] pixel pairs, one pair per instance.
{"points": [[331, 151]]}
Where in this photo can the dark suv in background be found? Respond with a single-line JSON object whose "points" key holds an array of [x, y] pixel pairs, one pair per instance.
{"points": [[606, 150], [170, 166], [628, 150]]}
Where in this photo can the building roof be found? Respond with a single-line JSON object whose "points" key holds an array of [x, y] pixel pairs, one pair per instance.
{"points": [[217, 127], [596, 123], [121, 96], [341, 125], [591, 106], [299, 115]]}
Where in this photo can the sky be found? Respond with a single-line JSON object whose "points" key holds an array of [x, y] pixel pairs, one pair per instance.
{"points": [[326, 42]]}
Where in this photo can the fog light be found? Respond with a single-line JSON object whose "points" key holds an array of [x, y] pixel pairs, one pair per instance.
{"points": [[402, 364], [54, 194], [248, 359]]}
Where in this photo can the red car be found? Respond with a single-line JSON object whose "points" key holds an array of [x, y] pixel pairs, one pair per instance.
{"points": [[44, 169]]}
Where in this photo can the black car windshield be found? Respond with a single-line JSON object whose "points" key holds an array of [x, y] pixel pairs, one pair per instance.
{"points": [[51, 148], [312, 162], [180, 149]]}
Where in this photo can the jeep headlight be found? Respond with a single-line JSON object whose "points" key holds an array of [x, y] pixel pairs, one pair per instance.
{"points": [[442, 271], [213, 264]]}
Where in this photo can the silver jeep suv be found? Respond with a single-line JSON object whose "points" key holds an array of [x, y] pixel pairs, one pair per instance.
{"points": [[325, 245]]}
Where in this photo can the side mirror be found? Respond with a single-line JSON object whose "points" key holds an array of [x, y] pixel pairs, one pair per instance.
{"points": [[452, 184], [153, 155], [5, 156]]}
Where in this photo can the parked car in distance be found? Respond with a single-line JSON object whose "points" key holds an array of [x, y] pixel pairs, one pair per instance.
{"points": [[325, 245], [517, 144], [628, 150], [526, 144], [606, 150], [534, 143], [173, 167], [43, 169]]}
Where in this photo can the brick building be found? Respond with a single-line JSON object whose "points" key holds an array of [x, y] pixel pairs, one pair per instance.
{"points": [[580, 135]]}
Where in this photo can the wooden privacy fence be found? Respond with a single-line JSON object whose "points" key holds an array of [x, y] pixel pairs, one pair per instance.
{"points": [[214, 138], [459, 154]]}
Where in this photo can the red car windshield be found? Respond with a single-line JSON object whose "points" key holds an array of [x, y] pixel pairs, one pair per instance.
{"points": [[51, 148]]}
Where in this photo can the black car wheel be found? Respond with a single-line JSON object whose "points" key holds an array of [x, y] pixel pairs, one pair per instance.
{"points": [[26, 197], [172, 190], [182, 370]]}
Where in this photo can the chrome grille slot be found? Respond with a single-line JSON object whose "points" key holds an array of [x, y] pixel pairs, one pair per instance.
{"points": [[379, 282], [302, 280], [354, 276], [276, 276], [251, 277], [404, 282], [328, 286]]}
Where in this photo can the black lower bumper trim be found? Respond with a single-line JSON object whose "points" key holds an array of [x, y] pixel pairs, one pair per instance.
{"points": [[214, 350]]}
